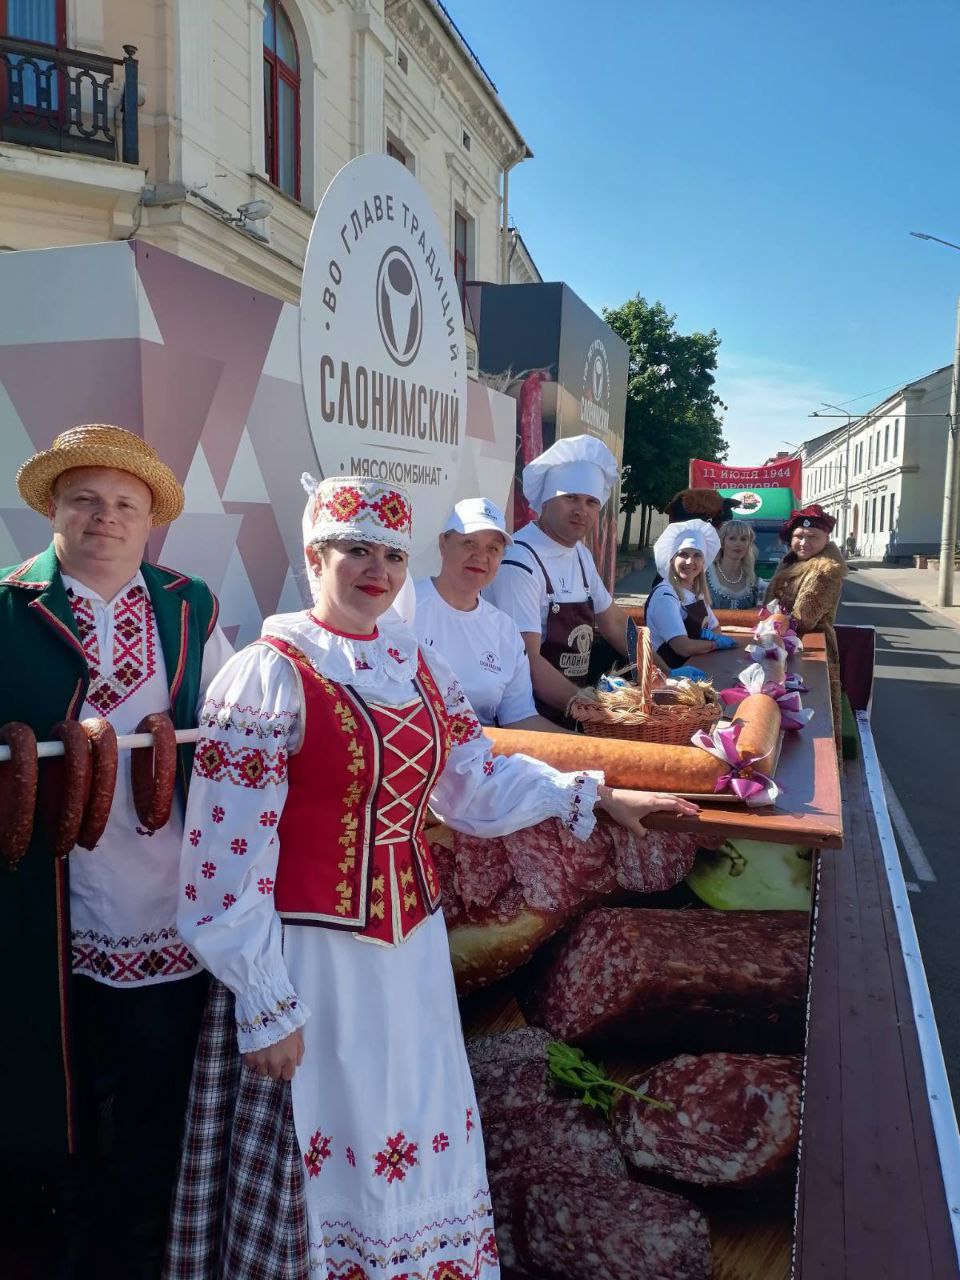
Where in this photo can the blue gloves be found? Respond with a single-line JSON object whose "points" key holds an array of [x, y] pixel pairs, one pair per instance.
{"points": [[722, 642], [691, 673]]}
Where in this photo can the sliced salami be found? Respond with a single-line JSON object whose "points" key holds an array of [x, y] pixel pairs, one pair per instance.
{"points": [[588, 864], [520, 1045], [700, 979], [566, 1138], [534, 855], [482, 867], [654, 864], [450, 900], [505, 1086], [608, 1230], [736, 1119]]}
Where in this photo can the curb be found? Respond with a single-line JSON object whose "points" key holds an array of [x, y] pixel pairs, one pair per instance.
{"points": [[952, 617]]}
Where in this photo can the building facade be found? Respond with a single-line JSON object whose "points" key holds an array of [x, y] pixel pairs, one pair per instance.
{"points": [[211, 128], [881, 475]]}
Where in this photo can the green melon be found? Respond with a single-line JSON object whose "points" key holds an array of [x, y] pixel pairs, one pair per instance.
{"points": [[752, 875]]}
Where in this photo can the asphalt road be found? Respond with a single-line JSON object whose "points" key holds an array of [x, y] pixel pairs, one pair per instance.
{"points": [[916, 725]]}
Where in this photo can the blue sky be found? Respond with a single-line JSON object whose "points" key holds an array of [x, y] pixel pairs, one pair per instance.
{"points": [[756, 165]]}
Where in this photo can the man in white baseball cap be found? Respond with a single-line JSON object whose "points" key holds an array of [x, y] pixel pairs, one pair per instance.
{"points": [[481, 644], [549, 583]]}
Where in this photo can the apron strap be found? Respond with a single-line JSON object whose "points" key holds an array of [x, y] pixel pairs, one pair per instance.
{"points": [[583, 572], [543, 568]]}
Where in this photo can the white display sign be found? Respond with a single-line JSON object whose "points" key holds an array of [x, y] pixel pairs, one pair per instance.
{"points": [[382, 351]]}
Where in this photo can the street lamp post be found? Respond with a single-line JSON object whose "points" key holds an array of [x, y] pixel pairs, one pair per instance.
{"points": [[951, 484], [846, 470], [951, 479]]}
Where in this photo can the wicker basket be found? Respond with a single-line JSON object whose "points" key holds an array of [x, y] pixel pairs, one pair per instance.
{"points": [[671, 724]]}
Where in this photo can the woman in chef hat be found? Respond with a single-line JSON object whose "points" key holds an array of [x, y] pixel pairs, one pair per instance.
{"points": [[678, 611]]}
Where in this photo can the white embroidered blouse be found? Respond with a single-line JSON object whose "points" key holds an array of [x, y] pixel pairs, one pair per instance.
{"points": [[231, 849], [124, 893]]}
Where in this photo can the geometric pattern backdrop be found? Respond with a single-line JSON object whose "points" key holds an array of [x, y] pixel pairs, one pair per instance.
{"points": [[207, 371]]}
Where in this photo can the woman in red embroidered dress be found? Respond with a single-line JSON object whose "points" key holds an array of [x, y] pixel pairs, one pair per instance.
{"points": [[349, 1146]]}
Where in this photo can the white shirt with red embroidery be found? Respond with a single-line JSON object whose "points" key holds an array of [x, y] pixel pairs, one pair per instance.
{"points": [[230, 851], [123, 893]]}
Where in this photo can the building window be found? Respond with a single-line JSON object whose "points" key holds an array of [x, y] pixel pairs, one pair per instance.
{"points": [[870, 453], [402, 63], [281, 100], [896, 434], [873, 516], [462, 254], [883, 510], [399, 152], [886, 442], [465, 139], [40, 22], [890, 526]]}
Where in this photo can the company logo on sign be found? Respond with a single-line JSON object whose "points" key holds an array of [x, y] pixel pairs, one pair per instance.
{"points": [[595, 397], [748, 503], [399, 306], [381, 340]]}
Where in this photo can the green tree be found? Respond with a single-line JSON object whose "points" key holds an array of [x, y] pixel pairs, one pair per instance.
{"points": [[673, 413]]}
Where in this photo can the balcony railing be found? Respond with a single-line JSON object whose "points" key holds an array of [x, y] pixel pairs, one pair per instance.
{"points": [[67, 100]]}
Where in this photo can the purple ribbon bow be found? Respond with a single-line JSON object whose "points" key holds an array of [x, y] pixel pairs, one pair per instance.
{"points": [[746, 782], [791, 711]]}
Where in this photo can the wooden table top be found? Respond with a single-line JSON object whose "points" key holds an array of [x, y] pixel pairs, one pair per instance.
{"points": [[808, 808]]}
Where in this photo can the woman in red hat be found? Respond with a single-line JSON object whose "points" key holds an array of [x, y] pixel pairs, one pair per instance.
{"points": [[807, 585]]}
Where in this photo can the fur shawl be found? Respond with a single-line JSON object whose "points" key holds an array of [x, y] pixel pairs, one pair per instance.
{"points": [[810, 589]]}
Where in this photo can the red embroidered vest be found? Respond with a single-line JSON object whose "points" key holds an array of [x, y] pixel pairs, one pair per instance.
{"points": [[352, 852]]}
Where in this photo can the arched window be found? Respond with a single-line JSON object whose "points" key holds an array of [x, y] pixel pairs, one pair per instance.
{"points": [[281, 100]]}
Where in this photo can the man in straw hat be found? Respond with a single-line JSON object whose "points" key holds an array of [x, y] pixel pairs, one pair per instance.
{"points": [[549, 584], [102, 999]]}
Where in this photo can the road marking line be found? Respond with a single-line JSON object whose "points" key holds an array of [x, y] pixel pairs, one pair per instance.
{"points": [[908, 837]]}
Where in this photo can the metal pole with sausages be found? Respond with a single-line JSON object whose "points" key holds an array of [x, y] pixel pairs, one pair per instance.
{"points": [[77, 788]]}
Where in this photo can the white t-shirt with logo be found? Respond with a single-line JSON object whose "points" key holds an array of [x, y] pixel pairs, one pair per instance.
{"points": [[519, 588], [485, 650]]}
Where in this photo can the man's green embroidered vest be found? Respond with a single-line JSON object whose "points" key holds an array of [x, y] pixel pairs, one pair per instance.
{"points": [[43, 679]]}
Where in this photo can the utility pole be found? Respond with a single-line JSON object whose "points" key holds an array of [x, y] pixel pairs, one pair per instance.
{"points": [[951, 484], [951, 479]]}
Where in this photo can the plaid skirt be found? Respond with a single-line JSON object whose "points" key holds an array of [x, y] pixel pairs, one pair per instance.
{"points": [[238, 1211]]}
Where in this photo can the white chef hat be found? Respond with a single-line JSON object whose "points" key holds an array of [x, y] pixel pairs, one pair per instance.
{"points": [[698, 534], [471, 515], [577, 464]]}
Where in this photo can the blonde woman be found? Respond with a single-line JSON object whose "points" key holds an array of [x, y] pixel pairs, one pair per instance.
{"points": [[732, 578], [678, 612]]}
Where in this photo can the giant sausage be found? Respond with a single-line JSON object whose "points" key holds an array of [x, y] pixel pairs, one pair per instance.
{"points": [[648, 766]]}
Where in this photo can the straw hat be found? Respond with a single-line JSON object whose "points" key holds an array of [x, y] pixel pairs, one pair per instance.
{"points": [[96, 445]]}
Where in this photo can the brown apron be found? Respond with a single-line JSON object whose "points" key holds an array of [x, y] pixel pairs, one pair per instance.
{"points": [[569, 636], [694, 620]]}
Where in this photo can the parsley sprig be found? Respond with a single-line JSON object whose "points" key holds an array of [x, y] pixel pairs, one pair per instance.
{"points": [[570, 1067]]}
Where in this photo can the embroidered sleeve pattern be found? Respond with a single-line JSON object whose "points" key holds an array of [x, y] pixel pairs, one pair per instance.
{"points": [[488, 796], [231, 848]]}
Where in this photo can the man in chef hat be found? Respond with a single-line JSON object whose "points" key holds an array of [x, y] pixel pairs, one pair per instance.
{"points": [[548, 582]]}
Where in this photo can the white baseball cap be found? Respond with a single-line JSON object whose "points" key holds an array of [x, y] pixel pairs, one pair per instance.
{"points": [[470, 515]]}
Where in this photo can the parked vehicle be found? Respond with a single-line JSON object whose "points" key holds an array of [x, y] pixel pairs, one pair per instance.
{"points": [[765, 510]]}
